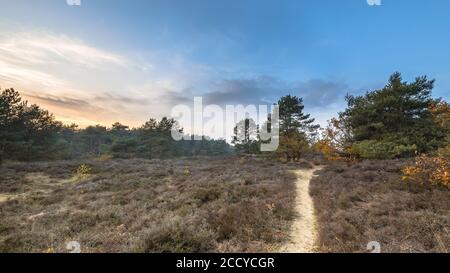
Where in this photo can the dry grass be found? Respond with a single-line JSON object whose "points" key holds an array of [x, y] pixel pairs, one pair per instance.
{"points": [[184, 205], [368, 201]]}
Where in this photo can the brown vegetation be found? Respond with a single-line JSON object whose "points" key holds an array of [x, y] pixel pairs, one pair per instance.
{"points": [[429, 170], [368, 201], [184, 205]]}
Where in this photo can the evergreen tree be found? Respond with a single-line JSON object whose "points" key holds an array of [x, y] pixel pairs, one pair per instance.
{"points": [[295, 128], [245, 136], [395, 120], [292, 117], [26, 131]]}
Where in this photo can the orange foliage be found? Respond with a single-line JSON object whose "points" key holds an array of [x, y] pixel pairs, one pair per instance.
{"points": [[441, 113], [427, 169], [326, 148], [333, 144]]}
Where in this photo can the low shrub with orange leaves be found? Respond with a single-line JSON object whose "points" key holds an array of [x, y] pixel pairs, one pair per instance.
{"points": [[325, 147], [332, 153], [434, 170], [441, 113], [334, 144]]}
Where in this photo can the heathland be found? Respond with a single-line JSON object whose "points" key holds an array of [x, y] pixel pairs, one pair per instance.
{"points": [[379, 172]]}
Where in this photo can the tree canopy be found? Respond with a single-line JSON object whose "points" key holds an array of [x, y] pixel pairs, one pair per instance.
{"points": [[293, 118], [296, 128], [394, 121], [28, 132]]}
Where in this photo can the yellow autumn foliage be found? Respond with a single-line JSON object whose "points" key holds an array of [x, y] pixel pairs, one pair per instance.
{"points": [[83, 172], [434, 170], [325, 147], [187, 171]]}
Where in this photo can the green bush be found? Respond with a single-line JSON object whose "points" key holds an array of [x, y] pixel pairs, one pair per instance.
{"points": [[373, 149]]}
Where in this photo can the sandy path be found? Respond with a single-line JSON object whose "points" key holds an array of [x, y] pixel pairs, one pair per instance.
{"points": [[5, 197], [303, 233]]}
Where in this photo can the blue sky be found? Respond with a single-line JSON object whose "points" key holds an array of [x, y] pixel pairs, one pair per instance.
{"points": [[109, 60]]}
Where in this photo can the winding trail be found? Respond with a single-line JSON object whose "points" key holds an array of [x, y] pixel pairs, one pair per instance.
{"points": [[304, 230]]}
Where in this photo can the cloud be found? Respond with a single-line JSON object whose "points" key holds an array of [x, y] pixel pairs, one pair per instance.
{"points": [[64, 73], [45, 48], [322, 98], [69, 77], [98, 109], [68, 107], [69, 110], [83, 83], [111, 98], [321, 93], [267, 90], [14, 74], [39, 61], [61, 101], [244, 91]]}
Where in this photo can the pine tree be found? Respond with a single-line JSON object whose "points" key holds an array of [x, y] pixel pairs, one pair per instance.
{"points": [[292, 117], [295, 128], [395, 120]]}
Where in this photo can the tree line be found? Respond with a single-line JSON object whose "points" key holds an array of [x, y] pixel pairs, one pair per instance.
{"points": [[28, 132], [400, 120]]}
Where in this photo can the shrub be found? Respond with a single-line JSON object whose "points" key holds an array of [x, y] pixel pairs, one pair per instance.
{"points": [[207, 194], [441, 113], [335, 143], [187, 171], [176, 236], [367, 201], [427, 169], [293, 146], [331, 153], [324, 146], [83, 172], [373, 149], [147, 205]]}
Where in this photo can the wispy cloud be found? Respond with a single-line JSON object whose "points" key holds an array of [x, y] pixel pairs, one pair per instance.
{"points": [[87, 84], [11, 73], [65, 102], [65, 74], [45, 48], [70, 109], [39, 61]]}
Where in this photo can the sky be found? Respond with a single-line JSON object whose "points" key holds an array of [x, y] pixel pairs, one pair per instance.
{"points": [[127, 61]]}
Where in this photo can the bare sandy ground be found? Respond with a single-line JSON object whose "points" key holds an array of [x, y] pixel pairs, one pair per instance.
{"points": [[5, 197], [303, 233]]}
